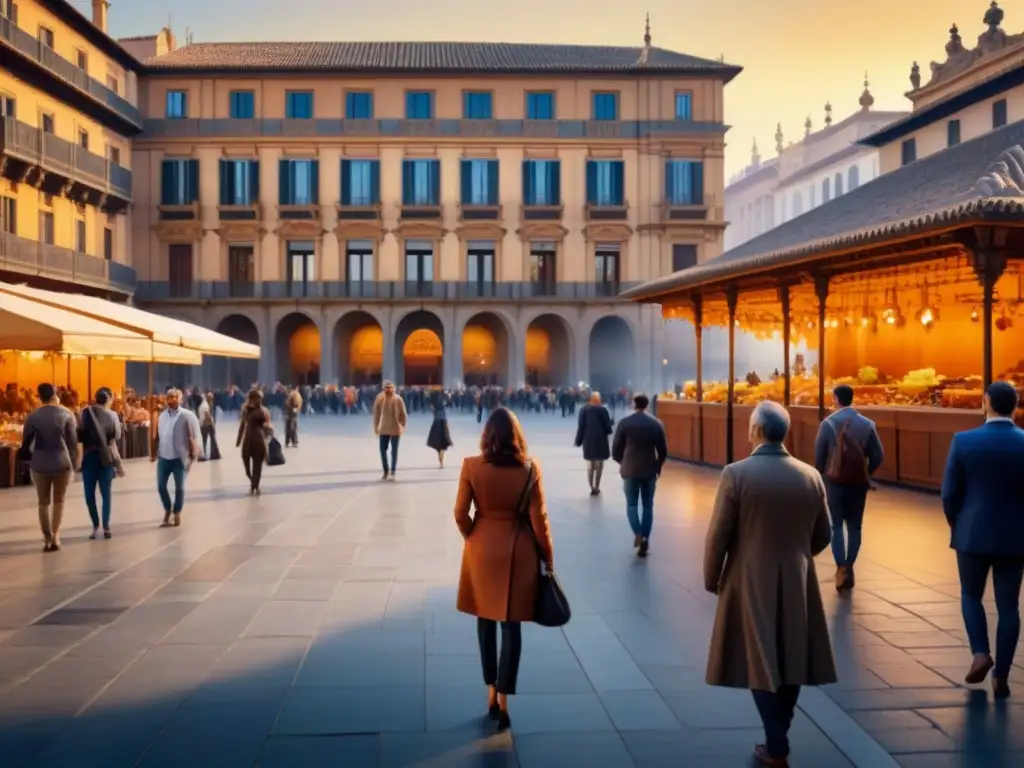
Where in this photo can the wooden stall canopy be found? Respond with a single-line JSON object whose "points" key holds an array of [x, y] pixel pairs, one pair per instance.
{"points": [[162, 330]]}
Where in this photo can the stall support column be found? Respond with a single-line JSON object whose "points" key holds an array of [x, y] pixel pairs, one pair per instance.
{"points": [[88, 375], [988, 266], [787, 388], [698, 331], [821, 291], [731, 297], [152, 415]]}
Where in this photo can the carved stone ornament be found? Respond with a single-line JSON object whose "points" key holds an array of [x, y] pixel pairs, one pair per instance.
{"points": [[959, 59], [480, 230], [542, 230], [359, 230], [614, 233], [1005, 177], [240, 231], [915, 76], [425, 230], [300, 230], [178, 231]]}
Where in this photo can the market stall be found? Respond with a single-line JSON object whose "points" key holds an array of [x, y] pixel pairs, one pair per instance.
{"points": [[908, 289]]}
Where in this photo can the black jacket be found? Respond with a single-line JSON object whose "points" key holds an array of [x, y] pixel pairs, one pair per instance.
{"points": [[593, 428], [639, 447]]}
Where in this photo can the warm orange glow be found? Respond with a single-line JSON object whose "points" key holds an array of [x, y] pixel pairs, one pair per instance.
{"points": [[304, 349], [31, 371], [479, 350], [538, 350], [366, 350], [423, 344]]}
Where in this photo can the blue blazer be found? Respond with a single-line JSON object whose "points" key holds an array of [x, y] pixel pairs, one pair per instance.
{"points": [[983, 490]]}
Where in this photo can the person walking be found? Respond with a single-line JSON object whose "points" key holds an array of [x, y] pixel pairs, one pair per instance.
{"points": [[640, 450], [847, 452], [254, 427], [983, 500], [389, 419], [592, 431], [178, 443], [207, 415], [500, 572], [770, 633], [99, 431], [439, 437], [50, 437], [292, 409]]}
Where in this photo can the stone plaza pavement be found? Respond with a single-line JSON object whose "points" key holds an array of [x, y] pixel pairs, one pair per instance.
{"points": [[316, 626]]}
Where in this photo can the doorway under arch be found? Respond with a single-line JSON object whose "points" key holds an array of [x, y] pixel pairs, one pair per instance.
{"points": [[612, 355], [298, 350], [226, 371], [359, 341], [419, 349], [485, 351], [548, 352]]}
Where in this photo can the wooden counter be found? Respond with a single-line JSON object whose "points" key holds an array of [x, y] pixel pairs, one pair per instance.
{"points": [[682, 428]]}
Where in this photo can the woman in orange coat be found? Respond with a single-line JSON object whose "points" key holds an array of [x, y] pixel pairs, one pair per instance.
{"points": [[502, 558]]}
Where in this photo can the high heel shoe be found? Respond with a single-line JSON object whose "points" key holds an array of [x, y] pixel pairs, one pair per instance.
{"points": [[504, 722], [494, 711]]}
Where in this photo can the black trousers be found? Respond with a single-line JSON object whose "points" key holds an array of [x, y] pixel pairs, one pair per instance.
{"points": [[501, 672], [777, 709], [291, 431], [253, 470]]}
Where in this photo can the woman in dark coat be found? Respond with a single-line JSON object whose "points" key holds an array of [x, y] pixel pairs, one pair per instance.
{"points": [[440, 438], [594, 426], [253, 429]]}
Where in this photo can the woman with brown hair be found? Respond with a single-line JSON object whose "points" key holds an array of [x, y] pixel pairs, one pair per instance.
{"points": [[253, 429], [502, 557]]}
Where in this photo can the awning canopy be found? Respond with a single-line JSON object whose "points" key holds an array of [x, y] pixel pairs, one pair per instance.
{"points": [[162, 330], [33, 327]]}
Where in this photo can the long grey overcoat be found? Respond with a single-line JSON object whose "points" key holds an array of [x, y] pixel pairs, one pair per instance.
{"points": [[770, 520]]}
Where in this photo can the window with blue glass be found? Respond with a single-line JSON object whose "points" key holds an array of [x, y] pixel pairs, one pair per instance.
{"points": [[479, 182], [298, 105], [684, 105], [540, 105], [360, 182], [684, 182], [242, 105], [177, 104], [421, 182], [478, 105], [179, 182], [541, 181], [358, 105], [299, 182], [419, 105], [606, 106], [605, 182], [239, 182]]}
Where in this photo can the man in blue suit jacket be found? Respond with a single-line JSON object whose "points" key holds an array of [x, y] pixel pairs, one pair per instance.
{"points": [[983, 499]]}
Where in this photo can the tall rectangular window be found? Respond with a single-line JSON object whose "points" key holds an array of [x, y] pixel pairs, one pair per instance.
{"points": [[82, 60], [242, 105], [480, 267], [359, 262], [83, 138], [684, 256], [301, 267], [47, 123], [419, 105], [114, 84], [479, 182], [952, 133], [359, 105], [108, 244], [46, 227], [908, 151], [299, 182], [8, 107], [684, 182], [9, 10], [684, 105], [540, 105], [46, 37], [179, 269], [607, 269], [478, 105], [419, 267], [606, 106], [421, 182], [999, 114], [360, 182], [298, 105], [81, 246], [9, 215], [179, 182], [605, 182], [241, 270], [239, 182], [114, 154], [543, 273], [177, 105], [541, 182]]}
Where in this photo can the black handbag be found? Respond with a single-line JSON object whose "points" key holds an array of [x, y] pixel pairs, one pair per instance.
{"points": [[275, 453], [551, 607]]}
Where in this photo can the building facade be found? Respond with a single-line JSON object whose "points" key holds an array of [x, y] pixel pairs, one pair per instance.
{"points": [[68, 113], [427, 213], [972, 92]]}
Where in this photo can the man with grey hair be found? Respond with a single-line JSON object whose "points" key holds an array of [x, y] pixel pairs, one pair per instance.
{"points": [[770, 635], [177, 447]]}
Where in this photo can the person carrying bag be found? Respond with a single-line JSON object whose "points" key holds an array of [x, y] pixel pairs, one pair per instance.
{"points": [[101, 459]]}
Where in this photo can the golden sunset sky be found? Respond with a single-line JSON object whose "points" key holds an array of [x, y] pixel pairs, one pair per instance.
{"points": [[796, 54]]}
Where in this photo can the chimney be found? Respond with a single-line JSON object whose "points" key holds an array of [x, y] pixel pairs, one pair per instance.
{"points": [[100, 8]]}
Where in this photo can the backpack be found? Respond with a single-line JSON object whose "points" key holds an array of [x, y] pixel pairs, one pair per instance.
{"points": [[847, 463]]}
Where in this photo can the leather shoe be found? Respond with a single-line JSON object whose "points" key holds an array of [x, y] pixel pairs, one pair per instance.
{"points": [[1000, 688], [980, 668], [763, 758]]}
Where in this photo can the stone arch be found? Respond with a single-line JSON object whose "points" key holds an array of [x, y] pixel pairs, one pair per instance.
{"points": [[359, 345], [421, 362], [486, 350], [548, 351], [612, 354], [225, 371], [298, 348], [852, 178]]}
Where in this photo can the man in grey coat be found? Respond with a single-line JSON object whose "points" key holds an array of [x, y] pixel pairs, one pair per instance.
{"points": [[640, 449], [847, 452]]}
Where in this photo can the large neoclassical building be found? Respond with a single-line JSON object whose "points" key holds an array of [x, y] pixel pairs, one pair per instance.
{"points": [[431, 213]]}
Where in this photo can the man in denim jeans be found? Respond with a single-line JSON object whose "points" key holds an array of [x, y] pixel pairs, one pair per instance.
{"points": [[640, 450], [177, 447]]}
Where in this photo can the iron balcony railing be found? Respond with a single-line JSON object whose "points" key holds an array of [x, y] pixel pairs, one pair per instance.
{"points": [[56, 155], [319, 290], [47, 58], [30, 257]]}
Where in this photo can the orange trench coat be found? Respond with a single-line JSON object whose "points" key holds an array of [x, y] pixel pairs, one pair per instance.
{"points": [[492, 585]]}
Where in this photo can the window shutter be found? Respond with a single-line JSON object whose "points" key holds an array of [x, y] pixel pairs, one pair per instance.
{"points": [[14, 14], [591, 182], [192, 174], [618, 184], [670, 183], [493, 187], [226, 192], [168, 182], [346, 179], [435, 182], [529, 172], [254, 181], [314, 181], [407, 180], [374, 181], [698, 184], [284, 182], [467, 179], [554, 171]]}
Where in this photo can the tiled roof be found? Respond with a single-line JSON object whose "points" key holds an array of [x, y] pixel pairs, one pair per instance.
{"points": [[981, 177], [436, 57]]}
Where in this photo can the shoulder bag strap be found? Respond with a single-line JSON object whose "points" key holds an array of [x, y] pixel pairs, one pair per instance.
{"points": [[523, 516]]}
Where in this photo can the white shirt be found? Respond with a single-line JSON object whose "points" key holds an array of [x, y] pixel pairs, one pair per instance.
{"points": [[166, 449], [1000, 418]]}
